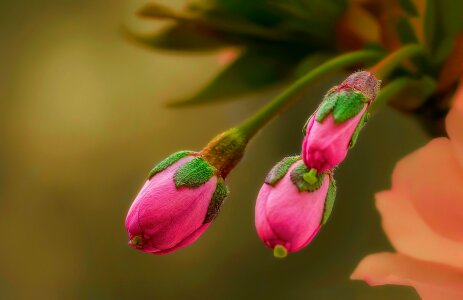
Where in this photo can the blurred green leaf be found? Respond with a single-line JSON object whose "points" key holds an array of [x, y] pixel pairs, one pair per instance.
{"points": [[409, 7], [405, 32], [443, 22], [450, 16], [155, 10], [255, 69], [256, 11], [184, 37], [217, 27], [430, 23], [407, 35], [225, 23], [315, 18]]}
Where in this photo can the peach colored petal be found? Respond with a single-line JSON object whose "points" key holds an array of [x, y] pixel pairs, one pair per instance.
{"points": [[410, 235], [431, 280], [454, 125], [432, 179]]}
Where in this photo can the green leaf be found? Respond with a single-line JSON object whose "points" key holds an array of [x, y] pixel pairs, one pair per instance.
{"points": [[255, 69], [168, 162], [280, 169], [297, 177], [256, 11], [317, 19], [450, 16], [407, 35], [156, 10], [443, 22], [328, 103], [430, 23], [329, 201], [304, 128], [406, 32], [220, 194], [184, 36], [193, 174], [348, 105], [361, 124], [409, 7]]}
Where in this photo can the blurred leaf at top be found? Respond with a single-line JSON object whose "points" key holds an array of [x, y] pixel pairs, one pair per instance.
{"points": [[277, 38]]}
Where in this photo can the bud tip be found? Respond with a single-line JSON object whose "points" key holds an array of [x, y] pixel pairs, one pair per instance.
{"points": [[280, 251]]}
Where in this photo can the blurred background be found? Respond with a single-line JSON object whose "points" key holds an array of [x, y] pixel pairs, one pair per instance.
{"points": [[82, 122]]}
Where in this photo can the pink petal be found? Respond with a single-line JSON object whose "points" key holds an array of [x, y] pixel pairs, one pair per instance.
{"points": [[410, 235], [167, 216], [187, 241], [431, 280], [326, 144], [432, 179], [261, 222], [288, 217]]}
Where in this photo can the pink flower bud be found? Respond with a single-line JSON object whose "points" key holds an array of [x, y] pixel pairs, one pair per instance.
{"points": [[291, 208], [176, 205], [335, 126]]}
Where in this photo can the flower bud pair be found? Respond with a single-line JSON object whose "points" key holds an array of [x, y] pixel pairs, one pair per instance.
{"points": [[298, 195], [176, 205]]}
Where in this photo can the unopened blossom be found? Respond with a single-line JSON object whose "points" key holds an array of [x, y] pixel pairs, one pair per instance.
{"points": [[335, 126], [176, 205], [422, 215], [292, 205]]}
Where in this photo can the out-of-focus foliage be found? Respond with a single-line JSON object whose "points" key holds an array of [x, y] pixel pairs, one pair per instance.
{"points": [[276, 37]]}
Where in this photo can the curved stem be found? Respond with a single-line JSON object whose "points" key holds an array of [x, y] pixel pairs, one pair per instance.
{"points": [[252, 125], [389, 91], [390, 62]]}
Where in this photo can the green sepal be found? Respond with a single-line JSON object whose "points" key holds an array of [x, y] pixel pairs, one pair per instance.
{"points": [[343, 105], [329, 201], [253, 70], [304, 128], [348, 105], [167, 162], [220, 194], [193, 174], [280, 169], [361, 124], [327, 105], [297, 177]]}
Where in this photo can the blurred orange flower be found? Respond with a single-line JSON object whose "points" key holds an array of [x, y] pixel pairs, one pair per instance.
{"points": [[422, 215]]}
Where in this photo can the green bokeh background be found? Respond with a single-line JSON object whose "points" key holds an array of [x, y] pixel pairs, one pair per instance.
{"points": [[82, 123]]}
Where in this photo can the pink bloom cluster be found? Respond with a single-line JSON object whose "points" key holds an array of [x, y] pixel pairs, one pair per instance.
{"points": [[298, 194], [422, 215]]}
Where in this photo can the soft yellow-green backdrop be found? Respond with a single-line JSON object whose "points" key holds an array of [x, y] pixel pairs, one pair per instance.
{"points": [[82, 123]]}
